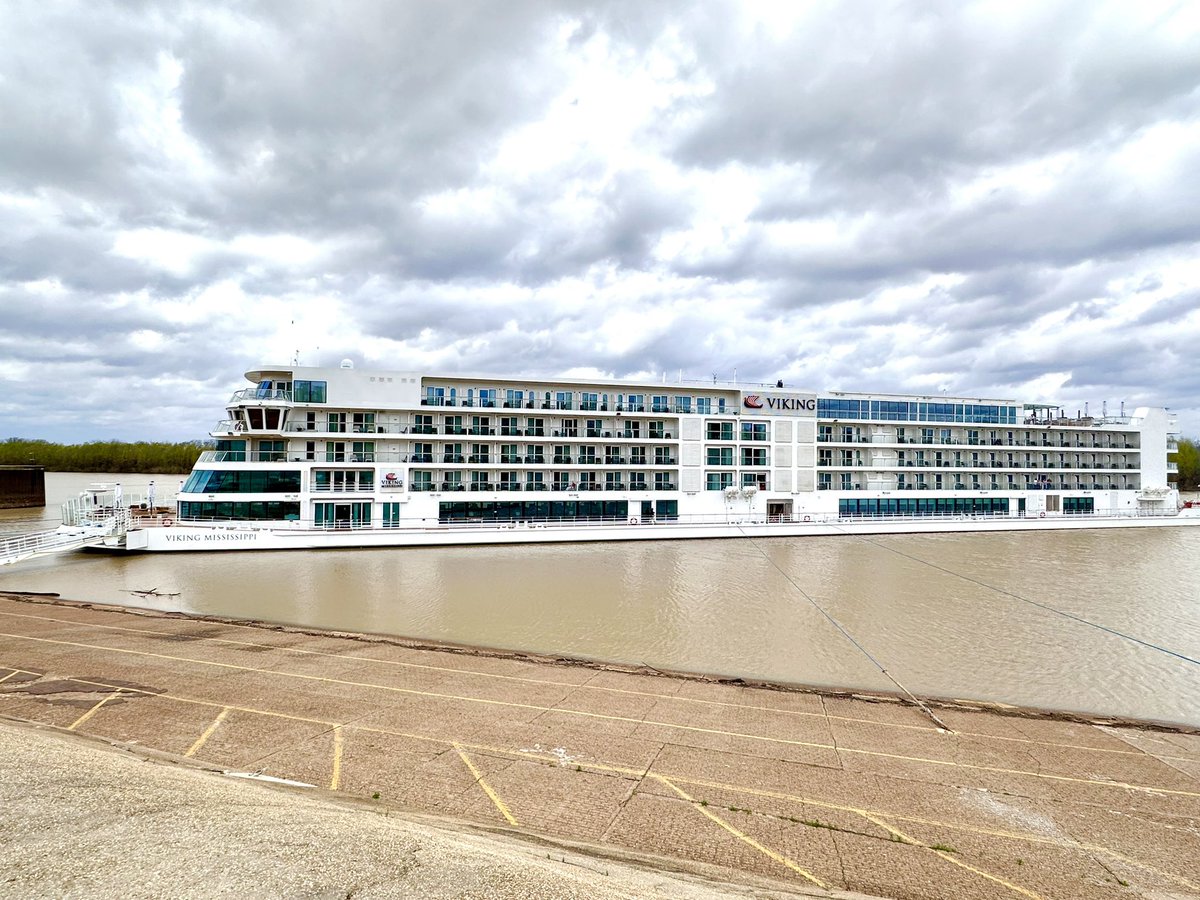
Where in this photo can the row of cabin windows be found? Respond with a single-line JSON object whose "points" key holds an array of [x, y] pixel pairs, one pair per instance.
{"points": [[423, 423], [540, 481], [516, 398]]}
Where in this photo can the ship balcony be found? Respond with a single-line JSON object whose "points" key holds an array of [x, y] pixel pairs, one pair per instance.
{"points": [[1172, 468], [260, 396]]}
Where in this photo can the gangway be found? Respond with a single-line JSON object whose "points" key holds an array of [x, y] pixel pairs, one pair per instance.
{"points": [[42, 543], [99, 515]]}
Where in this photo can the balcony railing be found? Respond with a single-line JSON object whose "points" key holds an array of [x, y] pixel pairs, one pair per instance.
{"points": [[270, 395]]}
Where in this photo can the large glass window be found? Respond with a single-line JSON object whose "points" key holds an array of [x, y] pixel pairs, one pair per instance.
{"points": [[342, 515], [532, 510], [939, 506], [308, 391], [916, 411], [256, 510], [217, 481], [754, 431], [719, 431]]}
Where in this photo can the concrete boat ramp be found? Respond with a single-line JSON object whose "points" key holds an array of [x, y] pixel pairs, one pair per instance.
{"points": [[567, 779]]}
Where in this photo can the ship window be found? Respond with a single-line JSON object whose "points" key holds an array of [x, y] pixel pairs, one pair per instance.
{"points": [[720, 431], [217, 481], [273, 510], [308, 391], [718, 481], [753, 456], [720, 456]]}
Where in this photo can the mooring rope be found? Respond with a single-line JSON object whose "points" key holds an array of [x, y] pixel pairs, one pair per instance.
{"points": [[838, 625]]}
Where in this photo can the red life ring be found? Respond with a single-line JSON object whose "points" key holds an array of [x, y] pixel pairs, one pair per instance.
{"points": [[808, 518], [1041, 515]]}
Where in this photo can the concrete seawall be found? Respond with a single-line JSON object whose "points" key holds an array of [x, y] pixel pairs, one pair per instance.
{"points": [[22, 487]]}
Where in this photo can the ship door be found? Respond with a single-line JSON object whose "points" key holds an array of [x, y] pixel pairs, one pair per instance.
{"points": [[779, 510], [647, 511], [1021, 507], [341, 515]]}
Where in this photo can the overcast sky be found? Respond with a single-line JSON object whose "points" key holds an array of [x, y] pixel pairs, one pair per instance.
{"points": [[991, 199]]}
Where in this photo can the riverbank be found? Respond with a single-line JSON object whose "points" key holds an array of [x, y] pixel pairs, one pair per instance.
{"points": [[84, 818], [809, 790]]}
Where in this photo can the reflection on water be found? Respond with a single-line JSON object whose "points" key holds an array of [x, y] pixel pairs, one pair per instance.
{"points": [[946, 614]]}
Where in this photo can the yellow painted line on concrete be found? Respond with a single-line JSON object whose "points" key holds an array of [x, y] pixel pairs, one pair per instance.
{"points": [[611, 718], [550, 759], [91, 712], [208, 732], [585, 686], [950, 857], [874, 816], [482, 782], [742, 836], [336, 778]]}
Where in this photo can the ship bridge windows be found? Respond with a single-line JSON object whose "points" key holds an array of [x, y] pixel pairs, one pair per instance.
{"points": [[260, 418]]}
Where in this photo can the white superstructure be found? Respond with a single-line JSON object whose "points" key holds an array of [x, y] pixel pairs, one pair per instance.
{"points": [[346, 457]]}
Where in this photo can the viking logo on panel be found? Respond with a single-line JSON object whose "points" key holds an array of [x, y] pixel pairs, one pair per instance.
{"points": [[752, 401]]}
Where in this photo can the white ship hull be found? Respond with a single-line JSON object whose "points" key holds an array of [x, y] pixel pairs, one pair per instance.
{"points": [[183, 538]]}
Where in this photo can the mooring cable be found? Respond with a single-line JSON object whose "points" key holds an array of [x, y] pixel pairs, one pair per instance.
{"points": [[1045, 606], [838, 625]]}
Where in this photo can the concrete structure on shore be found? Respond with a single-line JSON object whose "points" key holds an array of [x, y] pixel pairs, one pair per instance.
{"points": [[805, 791], [22, 486]]}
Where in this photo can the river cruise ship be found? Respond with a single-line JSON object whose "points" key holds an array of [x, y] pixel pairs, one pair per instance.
{"points": [[343, 457]]}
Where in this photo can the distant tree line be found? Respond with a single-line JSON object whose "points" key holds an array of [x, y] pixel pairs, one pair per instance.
{"points": [[103, 456], [1188, 462]]}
